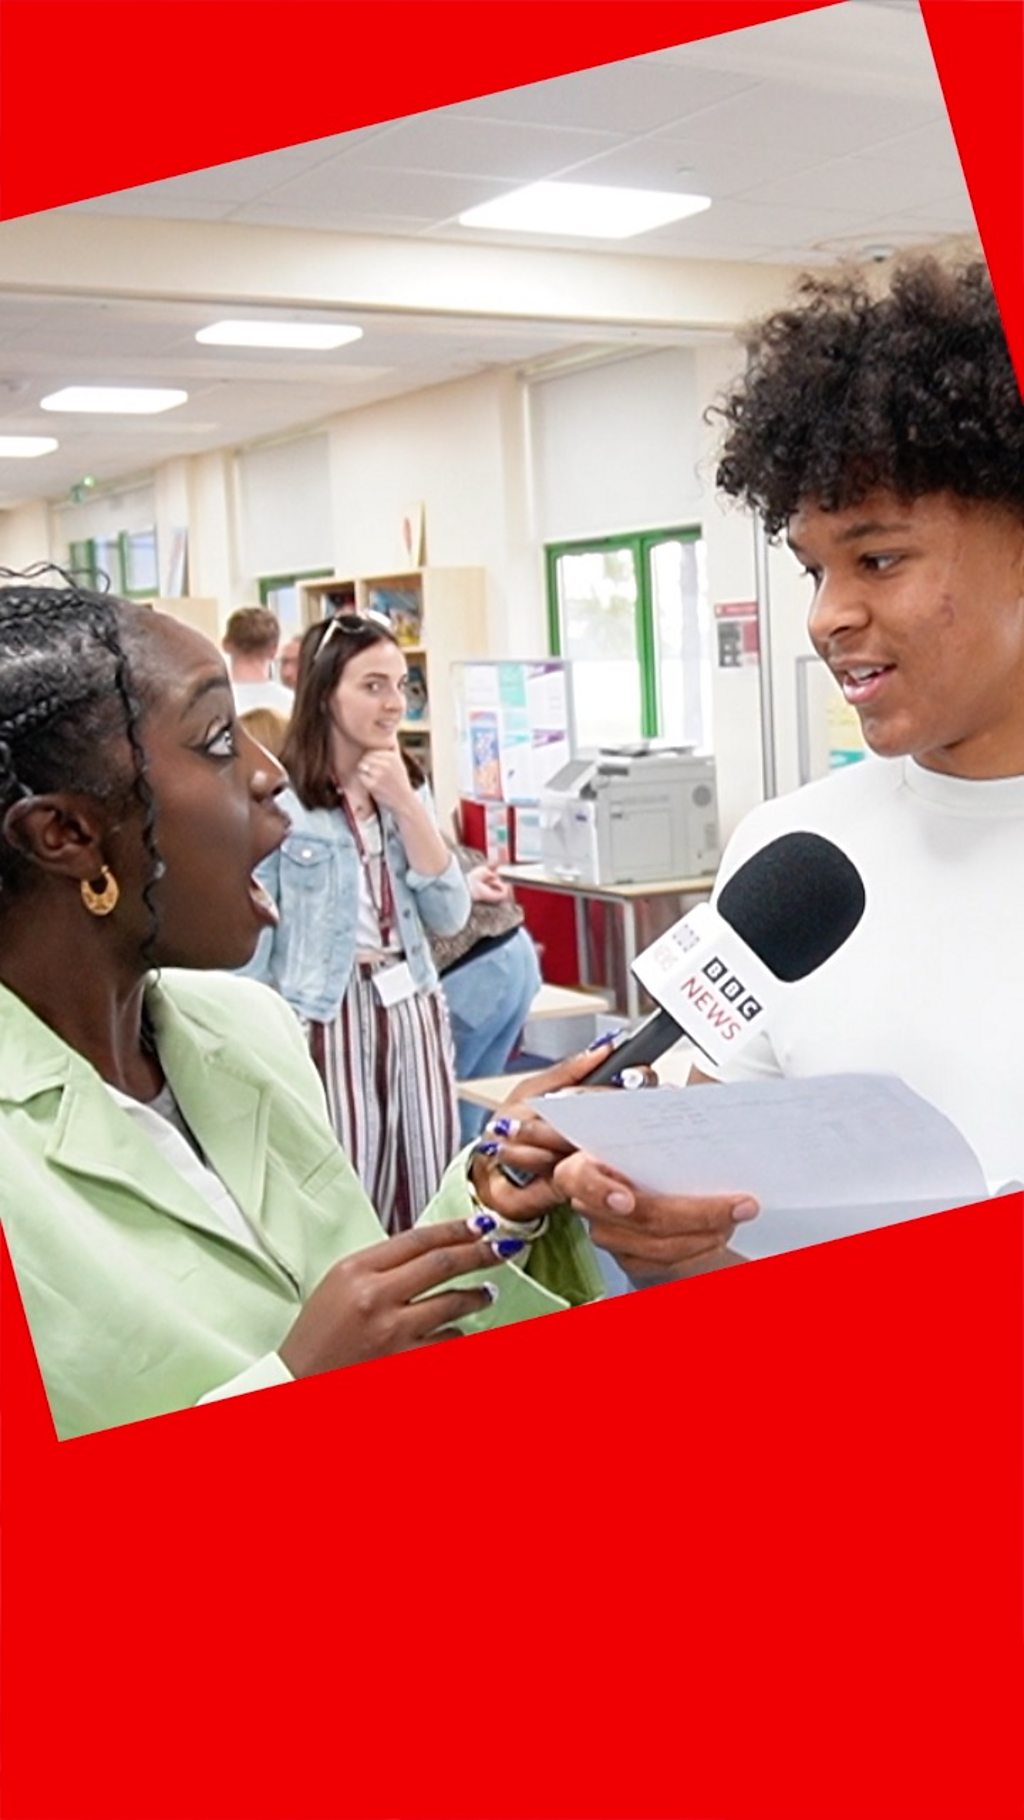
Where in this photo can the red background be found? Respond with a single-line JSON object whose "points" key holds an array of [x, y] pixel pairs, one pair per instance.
{"points": [[745, 1547]]}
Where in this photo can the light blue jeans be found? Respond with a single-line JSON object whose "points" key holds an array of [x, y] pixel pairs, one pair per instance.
{"points": [[488, 1000]]}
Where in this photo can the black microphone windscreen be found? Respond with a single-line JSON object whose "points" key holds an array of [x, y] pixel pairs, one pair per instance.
{"points": [[794, 903]]}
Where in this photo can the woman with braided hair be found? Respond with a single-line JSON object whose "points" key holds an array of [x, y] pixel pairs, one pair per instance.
{"points": [[182, 1223]]}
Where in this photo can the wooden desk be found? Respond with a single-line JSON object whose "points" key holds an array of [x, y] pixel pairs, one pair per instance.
{"points": [[567, 1001], [673, 1070], [624, 897]]}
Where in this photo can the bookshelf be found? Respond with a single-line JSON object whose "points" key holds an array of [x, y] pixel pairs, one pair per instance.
{"points": [[440, 618]]}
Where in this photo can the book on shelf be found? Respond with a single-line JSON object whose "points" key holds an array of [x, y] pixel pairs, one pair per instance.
{"points": [[417, 705], [341, 599], [417, 745], [403, 607]]}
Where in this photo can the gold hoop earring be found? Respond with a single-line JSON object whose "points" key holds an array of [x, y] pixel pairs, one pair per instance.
{"points": [[101, 895]]}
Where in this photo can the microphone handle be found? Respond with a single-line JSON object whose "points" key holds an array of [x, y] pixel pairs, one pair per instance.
{"points": [[656, 1034], [649, 1041]]}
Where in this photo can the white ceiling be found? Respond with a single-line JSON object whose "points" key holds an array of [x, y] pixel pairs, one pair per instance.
{"points": [[815, 136]]}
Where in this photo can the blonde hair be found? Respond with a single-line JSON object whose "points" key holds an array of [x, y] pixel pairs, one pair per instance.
{"points": [[267, 727]]}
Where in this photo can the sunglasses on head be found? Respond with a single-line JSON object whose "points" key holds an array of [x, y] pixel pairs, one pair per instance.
{"points": [[354, 624]]}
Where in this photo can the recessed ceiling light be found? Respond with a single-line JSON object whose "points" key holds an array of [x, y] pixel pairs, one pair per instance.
{"points": [[26, 448], [593, 210], [315, 335], [127, 400]]}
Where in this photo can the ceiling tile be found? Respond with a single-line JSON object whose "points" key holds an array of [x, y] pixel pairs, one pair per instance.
{"points": [[327, 219], [864, 183], [630, 97], [168, 205], [692, 158], [815, 124], [344, 185], [451, 142]]}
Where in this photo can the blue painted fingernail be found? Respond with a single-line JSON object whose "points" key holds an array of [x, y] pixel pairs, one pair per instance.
{"points": [[615, 1080], [481, 1223], [601, 1042], [491, 1291], [504, 1127], [508, 1248], [487, 1149]]}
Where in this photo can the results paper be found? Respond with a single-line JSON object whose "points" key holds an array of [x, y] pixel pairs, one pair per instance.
{"points": [[824, 1157]]}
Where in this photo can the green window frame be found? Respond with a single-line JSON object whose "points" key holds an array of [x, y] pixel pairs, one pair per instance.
{"points": [[640, 544], [130, 542], [91, 557], [268, 584]]}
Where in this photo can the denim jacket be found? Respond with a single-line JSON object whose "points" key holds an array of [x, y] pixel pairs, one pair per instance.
{"points": [[314, 880]]}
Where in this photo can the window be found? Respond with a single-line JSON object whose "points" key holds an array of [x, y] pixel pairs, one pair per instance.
{"points": [[96, 563], [631, 613], [139, 564]]}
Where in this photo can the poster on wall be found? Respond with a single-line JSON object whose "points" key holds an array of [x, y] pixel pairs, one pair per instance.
{"points": [[413, 538], [484, 744], [514, 727], [736, 634]]}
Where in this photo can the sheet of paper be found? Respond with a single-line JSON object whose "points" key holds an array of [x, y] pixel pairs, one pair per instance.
{"points": [[825, 1157]]}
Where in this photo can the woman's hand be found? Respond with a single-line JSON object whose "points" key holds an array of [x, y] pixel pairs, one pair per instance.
{"points": [[383, 773], [367, 1306], [518, 1136], [652, 1237], [486, 886]]}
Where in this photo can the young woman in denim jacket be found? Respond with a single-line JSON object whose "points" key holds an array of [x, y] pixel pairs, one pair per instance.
{"points": [[361, 878]]}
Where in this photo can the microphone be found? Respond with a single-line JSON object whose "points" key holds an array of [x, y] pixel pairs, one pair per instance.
{"points": [[716, 973]]}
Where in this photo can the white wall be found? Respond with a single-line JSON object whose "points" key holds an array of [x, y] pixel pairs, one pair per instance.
{"points": [[25, 536], [616, 447], [459, 449], [285, 506], [213, 563]]}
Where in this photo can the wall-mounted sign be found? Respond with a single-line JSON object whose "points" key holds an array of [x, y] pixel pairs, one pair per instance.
{"points": [[736, 634]]}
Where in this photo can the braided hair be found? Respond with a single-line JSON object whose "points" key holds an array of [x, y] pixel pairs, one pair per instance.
{"points": [[68, 699]]}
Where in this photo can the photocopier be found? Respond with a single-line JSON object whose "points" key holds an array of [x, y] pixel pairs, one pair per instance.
{"points": [[629, 814]]}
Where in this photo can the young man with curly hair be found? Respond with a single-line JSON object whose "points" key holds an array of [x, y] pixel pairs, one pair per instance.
{"points": [[884, 437]]}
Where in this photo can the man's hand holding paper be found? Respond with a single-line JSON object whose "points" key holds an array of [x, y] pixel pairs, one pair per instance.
{"points": [[823, 1158]]}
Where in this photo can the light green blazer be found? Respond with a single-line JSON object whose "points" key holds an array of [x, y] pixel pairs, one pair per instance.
{"points": [[137, 1300]]}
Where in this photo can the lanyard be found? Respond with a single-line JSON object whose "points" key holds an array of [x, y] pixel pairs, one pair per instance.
{"points": [[385, 904]]}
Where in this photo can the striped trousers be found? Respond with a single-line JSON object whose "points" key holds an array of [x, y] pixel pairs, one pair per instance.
{"points": [[389, 1075]]}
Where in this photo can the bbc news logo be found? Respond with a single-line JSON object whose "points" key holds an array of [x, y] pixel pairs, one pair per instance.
{"points": [[732, 989]]}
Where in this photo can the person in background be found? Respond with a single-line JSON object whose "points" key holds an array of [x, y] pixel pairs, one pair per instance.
{"points": [[885, 437], [182, 1223], [250, 642], [360, 880], [490, 977], [267, 727], [288, 663]]}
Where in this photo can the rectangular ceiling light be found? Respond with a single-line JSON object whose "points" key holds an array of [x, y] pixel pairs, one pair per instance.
{"points": [[595, 211], [26, 448], [122, 400], [319, 336]]}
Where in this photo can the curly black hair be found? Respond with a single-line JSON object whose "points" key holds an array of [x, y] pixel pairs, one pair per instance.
{"points": [[69, 704], [913, 392]]}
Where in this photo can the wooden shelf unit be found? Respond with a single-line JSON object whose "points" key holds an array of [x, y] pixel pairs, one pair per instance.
{"points": [[443, 613]]}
